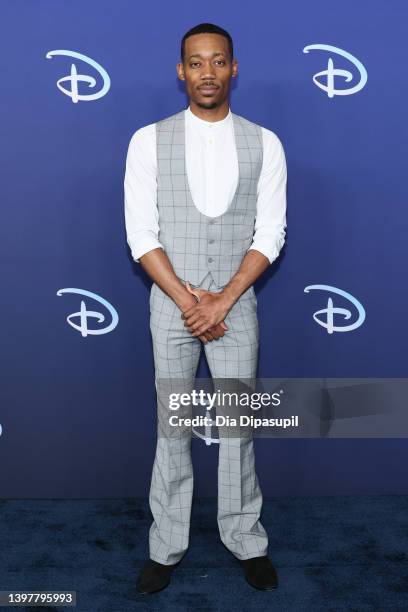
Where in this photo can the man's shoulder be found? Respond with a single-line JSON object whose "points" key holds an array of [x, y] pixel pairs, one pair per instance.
{"points": [[245, 121], [149, 130], [170, 118], [251, 128], [146, 134], [271, 140], [271, 143]]}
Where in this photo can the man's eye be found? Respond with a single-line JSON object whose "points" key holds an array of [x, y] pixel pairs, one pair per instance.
{"points": [[193, 64]]}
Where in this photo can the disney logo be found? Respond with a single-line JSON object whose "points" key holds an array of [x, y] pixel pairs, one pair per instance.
{"points": [[332, 72], [74, 78], [330, 311], [85, 314]]}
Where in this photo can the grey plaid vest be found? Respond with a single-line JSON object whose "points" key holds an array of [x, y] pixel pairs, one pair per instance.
{"points": [[195, 243]]}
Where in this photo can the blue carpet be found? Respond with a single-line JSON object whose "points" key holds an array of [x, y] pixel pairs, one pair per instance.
{"points": [[331, 554]]}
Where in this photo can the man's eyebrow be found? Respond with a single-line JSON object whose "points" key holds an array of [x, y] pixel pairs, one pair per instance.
{"points": [[214, 54]]}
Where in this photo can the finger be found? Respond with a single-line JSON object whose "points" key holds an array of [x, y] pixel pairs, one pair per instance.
{"points": [[210, 334], [217, 331], [223, 325], [221, 333], [216, 335], [192, 319], [200, 326], [205, 334], [201, 329]]}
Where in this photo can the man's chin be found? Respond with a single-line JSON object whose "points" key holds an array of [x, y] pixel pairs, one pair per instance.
{"points": [[210, 104]]}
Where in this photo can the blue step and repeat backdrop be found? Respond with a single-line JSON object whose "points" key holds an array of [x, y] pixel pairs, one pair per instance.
{"points": [[78, 413]]}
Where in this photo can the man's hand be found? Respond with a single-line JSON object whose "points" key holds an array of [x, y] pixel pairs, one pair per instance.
{"points": [[217, 331], [208, 314], [213, 307]]}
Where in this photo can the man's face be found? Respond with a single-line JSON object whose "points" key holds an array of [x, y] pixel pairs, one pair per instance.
{"points": [[207, 69]]}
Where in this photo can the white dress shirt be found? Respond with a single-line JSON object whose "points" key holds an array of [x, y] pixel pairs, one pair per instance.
{"points": [[212, 172]]}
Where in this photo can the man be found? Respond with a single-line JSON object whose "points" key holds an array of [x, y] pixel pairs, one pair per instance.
{"points": [[205, 212]]}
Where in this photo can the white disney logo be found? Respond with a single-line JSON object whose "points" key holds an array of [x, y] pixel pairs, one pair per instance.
{"points": [[74, 78], [85, 314], [332, 72], [331, 310]]}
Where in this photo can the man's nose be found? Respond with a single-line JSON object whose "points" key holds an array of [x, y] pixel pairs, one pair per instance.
{"points": [[207, 72]]}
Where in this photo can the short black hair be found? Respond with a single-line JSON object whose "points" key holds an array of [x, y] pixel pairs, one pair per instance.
{"points": [[207, 28]]}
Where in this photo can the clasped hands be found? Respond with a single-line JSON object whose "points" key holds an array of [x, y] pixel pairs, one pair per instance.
{"points": [[205, 318]]}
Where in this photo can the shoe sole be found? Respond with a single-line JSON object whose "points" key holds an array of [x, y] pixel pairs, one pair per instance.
{"points": [[273, 588], [152, 592]]}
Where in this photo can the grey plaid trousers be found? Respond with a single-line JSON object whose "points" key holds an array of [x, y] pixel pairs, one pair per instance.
{"points": [[176, 354]]}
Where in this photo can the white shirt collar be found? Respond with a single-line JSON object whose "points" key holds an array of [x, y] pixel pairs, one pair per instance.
{"points": [[190, 116]]}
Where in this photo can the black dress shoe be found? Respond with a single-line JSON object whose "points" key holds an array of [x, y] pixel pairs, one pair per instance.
{"points": [[154, 576], [260, 573]]}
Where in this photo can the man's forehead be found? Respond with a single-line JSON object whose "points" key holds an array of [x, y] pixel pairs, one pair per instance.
{"points": [[209, 54], [203, 45]]}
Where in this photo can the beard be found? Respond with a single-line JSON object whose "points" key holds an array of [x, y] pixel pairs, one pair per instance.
{"points": [[208, 105]]}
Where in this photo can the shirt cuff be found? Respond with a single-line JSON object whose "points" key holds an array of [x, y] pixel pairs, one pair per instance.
{"points": [[143, 244], [267, 247]]}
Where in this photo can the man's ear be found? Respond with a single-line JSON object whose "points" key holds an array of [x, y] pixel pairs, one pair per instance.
{"points": [[180, 71]]}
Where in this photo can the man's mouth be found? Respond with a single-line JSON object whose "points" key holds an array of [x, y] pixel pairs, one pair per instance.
{"points": [[208, 88]]}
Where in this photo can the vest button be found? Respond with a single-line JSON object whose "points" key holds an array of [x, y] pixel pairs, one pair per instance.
{"points": [[211, 240], [210, 259]]}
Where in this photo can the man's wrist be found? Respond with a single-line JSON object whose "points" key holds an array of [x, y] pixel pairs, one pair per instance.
{"points": [[185, 300], [229, 296]]}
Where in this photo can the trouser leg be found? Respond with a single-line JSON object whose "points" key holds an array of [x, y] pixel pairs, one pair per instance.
{"points": [[176, 354], [235, 357]]}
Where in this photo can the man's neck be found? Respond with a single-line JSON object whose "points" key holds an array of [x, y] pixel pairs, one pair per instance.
{"points": [[210, 114]]}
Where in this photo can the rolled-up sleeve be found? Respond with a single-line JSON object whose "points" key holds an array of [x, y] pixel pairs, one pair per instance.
{"points": [[270, 223], [140, 190]]}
